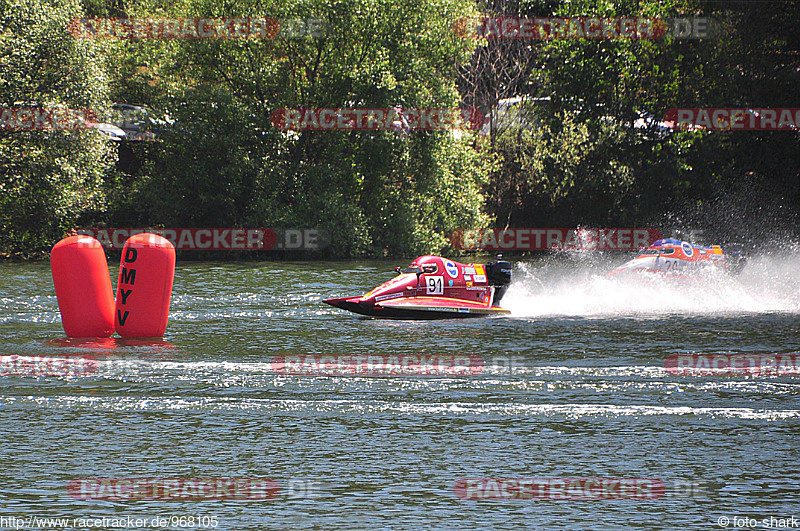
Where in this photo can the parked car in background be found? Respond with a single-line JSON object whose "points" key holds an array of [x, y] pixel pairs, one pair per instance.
{"points": [[136, 121], [511, 113], [111, 131]]}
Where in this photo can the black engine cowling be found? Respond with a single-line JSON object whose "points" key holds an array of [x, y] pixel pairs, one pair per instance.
{"points": [[498, 273]]}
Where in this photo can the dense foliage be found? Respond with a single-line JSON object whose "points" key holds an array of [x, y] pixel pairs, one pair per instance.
{"points": [[574, 154], [49, 179]]}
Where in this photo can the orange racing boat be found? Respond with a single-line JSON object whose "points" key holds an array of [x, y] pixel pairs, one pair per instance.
{"points": [[674, 258]]}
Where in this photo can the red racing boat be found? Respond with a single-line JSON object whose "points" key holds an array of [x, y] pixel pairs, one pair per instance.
{"points": [[433, 287]]}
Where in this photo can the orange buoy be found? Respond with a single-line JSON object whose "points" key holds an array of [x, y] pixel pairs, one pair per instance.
{"points": [[144, 288], [83, 287]]}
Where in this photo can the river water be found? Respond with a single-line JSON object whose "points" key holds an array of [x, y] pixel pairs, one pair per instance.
{"points": [[570, 394]]}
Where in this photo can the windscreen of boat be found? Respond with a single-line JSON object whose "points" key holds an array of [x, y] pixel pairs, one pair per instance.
{"points": [[659, 251], [419, 269]]}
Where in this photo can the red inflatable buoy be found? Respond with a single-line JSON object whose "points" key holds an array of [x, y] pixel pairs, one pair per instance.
{"points": [[144, 288], [83, 287]]}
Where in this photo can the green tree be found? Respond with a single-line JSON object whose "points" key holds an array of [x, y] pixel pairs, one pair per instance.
{"points": [[584, 158], [49, 180], [378, 192]]}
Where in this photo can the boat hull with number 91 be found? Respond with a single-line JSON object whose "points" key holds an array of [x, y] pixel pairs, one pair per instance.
{"points": [[433, 287]]}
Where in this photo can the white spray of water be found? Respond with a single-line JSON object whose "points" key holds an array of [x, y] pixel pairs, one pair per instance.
{"points": [[576, 285]]}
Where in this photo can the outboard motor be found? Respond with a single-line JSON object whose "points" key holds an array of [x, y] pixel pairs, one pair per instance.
{"points": [[498, 273], [735, 257]]}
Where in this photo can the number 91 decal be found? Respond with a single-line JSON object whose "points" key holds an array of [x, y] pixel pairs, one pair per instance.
{"points": [[435, 285]]}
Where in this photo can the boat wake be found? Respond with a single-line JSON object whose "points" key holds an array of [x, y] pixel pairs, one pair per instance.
{"points": [[574, 284]]}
